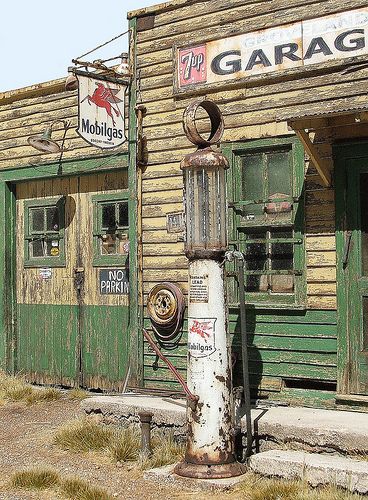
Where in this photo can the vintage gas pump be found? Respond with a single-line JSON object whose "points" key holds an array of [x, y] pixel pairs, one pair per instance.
{"points": [[210, 448]]}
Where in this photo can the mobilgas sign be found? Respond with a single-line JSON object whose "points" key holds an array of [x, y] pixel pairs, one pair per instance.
{"points": [[101, 112], [275, 49]]}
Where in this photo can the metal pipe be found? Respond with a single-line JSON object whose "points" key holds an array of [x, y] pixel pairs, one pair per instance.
{"points": [[243, 327], [239, 257], [146, 418]]}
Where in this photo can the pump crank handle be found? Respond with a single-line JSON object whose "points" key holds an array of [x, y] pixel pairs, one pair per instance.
{"points": [[177, 375]]}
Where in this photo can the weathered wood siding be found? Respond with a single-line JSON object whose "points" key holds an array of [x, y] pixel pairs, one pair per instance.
{"points": [[27, 112], [306, 344]]}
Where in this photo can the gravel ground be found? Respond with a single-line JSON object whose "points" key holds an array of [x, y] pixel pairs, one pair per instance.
{"points": [[26, 441]]}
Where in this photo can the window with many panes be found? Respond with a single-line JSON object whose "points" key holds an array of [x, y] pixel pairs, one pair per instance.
{"points": [[111, 224], [44, 232], [266, 218]]}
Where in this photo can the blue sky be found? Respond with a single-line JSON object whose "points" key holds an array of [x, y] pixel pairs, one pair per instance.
{"points": [[39, 38]]}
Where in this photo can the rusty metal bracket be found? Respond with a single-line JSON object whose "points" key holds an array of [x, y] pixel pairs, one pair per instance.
{"points": [[190, 127]]}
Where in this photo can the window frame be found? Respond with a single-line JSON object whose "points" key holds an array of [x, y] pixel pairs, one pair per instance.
{"points": [[108, 259], [48, 261], [234, 152]]}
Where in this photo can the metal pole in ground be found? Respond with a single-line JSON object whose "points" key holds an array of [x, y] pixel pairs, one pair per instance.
{"points": [[145, 418]]}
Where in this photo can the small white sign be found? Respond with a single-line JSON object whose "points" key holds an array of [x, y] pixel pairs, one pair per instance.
{"points": [[101, 112], [45, 273]]}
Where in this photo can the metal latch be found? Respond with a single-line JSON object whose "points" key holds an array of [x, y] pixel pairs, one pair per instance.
{"points": [[78, 277]]}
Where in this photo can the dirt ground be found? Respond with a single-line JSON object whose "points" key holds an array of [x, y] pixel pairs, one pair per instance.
{"points": [[26, 441]]}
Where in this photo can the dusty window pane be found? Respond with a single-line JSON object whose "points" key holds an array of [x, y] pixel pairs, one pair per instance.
{"points": [[37, 219], [108, 244], [256, 260], [52, 219], [279, 173], [108, 216], [36, 248], [123, 214]]}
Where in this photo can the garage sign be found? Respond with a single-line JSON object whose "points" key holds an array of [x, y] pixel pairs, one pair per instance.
{"points": [[294, 45]]}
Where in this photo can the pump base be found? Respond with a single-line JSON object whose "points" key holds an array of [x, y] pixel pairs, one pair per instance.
{"points": [[213, 471]]}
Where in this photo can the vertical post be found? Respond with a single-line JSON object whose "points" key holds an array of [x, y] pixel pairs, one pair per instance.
{"points": [[145, 418]]}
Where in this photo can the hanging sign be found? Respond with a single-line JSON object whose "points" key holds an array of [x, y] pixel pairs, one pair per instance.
{"points": [[101, 112], [279, 48]]}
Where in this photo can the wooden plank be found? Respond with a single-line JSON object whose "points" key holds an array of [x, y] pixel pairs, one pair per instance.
{"points": [[322, 289], [152, 249], [159, 236], [165, 262], [168, 196], [163, 184], [321, 259], [252, 100], [161, 210], [280, 14], [316, 243], [194, 21], [182, 9], [318, 302], [162, 171], [321, 274]]}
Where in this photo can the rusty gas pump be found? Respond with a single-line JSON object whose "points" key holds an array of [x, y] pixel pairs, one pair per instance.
{"points": [[210, 439]]}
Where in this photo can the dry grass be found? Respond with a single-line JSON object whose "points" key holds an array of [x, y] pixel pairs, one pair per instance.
{"points": [[77, 394], [16, 389], [84, 435], [256, 487], [35, 479], [72, 488], [166, 450], [77, 489], [125, 445]]}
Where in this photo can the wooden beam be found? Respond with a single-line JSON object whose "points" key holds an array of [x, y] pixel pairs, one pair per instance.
{"points": [[318, 162]]}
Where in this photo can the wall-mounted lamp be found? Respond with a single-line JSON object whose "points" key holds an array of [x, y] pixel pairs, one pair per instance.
{"points": [[123, 68], [43, 142]]}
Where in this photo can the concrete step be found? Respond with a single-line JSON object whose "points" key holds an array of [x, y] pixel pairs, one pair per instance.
{"points": [[316, 469], [309, 429], [304, 429]]}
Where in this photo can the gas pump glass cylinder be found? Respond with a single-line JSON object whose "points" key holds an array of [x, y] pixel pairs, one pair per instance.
{"points": [[205, 204]]}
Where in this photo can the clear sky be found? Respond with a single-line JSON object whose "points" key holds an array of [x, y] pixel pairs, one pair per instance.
{"points": [[39, 38]]}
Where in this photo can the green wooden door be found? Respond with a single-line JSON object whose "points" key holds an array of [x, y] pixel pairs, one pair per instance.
{"points": [[71, 234], [352, 254]]}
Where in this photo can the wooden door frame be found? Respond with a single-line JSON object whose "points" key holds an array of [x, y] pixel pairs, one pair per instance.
{"points": [[341, 153]]}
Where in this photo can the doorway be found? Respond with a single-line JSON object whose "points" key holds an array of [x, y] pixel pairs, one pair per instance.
{"points": [[72, 280], [352, 258]]}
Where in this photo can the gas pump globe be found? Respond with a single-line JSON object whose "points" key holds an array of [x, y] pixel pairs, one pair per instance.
{"points": [[205, 207], [210, 446]]}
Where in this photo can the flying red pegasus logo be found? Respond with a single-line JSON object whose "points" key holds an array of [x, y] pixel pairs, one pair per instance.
{"points": [[202, 328], [102, 97]]}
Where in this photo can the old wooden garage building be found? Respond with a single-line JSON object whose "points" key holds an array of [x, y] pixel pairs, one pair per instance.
{"points": [[291, 81]]}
